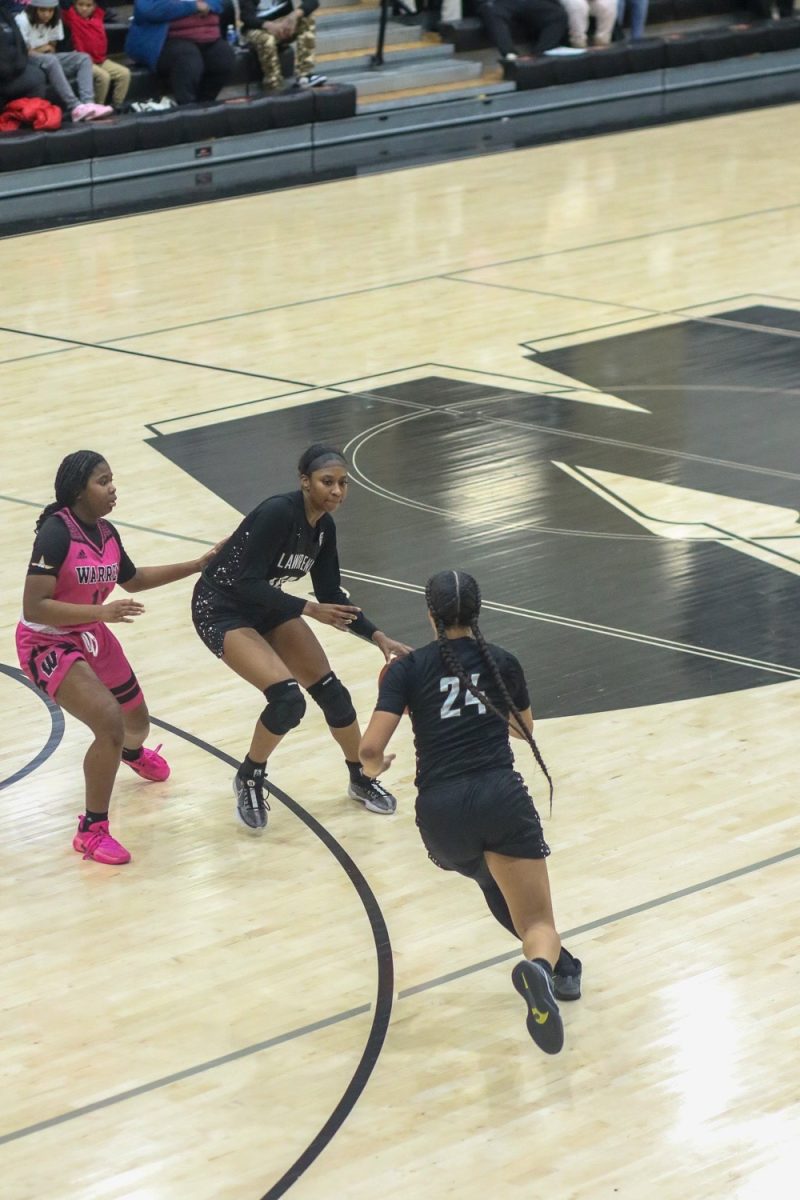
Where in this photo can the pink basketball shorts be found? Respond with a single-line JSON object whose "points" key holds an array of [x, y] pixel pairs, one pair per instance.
{"points": [[46, 658]]}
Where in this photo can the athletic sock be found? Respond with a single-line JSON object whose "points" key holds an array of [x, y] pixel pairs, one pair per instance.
{"points": [[566, 963], [248, 769], [131, 755], [90, 819], [356, 771], [544, 963]]}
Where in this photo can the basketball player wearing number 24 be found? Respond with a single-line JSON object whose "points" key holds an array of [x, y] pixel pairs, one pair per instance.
{"points": [[66, 648], [244, 617], [465, 696]]}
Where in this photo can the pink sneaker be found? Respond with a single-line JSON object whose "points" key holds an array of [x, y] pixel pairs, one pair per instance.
{"points": [[98, 111], [98, 844], [150, 765], [81, 112]]}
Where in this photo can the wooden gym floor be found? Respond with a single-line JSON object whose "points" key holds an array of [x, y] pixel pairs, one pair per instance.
{"points": [[574, 371]]}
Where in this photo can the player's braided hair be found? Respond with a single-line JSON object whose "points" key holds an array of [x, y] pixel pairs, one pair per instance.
{"points": [[318, 450], [71, 478], [454, 598]]}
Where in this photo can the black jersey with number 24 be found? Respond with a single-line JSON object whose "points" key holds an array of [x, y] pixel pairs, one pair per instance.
{"points": [[454, 732]]}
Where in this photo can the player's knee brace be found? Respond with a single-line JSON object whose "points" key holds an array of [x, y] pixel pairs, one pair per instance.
{"points": [[285, 706], [334, 700]]}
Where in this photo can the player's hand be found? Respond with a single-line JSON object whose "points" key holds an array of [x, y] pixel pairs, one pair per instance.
{"points": [[341, 616], [120, 610], [388, 759], [388, 647], [204, 559]]}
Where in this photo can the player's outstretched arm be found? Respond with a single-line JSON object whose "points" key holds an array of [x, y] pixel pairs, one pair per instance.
{"points": [[388, 647], [153, 577], [372, 751]]}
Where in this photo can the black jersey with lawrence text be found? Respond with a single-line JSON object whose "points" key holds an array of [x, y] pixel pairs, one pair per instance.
{"points": [[454, 732], [273, 545]]}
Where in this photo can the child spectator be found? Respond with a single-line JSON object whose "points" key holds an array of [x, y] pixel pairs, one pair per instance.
{"points": [[19, 77], [42, 30], [85, 22]]}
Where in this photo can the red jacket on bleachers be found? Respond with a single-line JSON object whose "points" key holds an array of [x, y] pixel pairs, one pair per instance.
{"points": [[88, 33]]}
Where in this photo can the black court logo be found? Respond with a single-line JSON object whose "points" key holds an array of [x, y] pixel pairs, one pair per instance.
{"points": [[631, 514]]}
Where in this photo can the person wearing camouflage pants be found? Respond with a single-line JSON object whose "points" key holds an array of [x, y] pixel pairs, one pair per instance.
{"points": [[268, 37]]}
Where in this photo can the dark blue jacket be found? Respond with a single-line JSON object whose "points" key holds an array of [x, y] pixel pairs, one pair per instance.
{"points": [[148, 30]]}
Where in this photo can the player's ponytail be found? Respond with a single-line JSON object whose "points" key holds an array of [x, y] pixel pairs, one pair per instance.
{"points": [[72, 477], [454, 598]]}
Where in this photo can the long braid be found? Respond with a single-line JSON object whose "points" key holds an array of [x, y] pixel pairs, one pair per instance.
{"points": [[512, 708], [454, 598], [72, 476]]}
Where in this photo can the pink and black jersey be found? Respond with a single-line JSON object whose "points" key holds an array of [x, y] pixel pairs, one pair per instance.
{"points": [[86, 560]]}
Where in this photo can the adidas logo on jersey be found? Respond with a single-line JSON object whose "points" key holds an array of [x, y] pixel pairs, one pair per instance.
{"points": [[81, 554]]}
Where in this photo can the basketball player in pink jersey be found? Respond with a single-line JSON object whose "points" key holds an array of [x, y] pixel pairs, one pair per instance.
{"points": [[66, 648]]}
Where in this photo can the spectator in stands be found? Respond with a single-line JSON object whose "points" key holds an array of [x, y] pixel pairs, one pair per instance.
{"points": [[85, 22], [182, 42], [578, 14], [268, 36], [18, 75], [542, 22], [42, 30], [638, 17]]}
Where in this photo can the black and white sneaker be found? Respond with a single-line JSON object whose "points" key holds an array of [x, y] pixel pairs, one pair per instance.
{"points": [[372, 795], [535, 986], [252, 805]]}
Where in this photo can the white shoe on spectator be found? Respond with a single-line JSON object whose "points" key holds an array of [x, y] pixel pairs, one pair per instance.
{"points": [[309, 81]]}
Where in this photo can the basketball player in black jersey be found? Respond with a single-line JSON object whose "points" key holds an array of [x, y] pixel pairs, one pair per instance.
{"points": [[244, 617], [473, 811]]}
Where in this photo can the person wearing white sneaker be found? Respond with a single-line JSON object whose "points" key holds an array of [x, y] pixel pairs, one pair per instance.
{"points": [[268, 28], [474, 813], [41, 27], [243, 616]]}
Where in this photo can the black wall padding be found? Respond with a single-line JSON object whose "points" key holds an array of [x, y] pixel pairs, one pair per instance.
{"points": [[292, 108], [334, 102], [70, 144], [114, 136], [21, 151]]}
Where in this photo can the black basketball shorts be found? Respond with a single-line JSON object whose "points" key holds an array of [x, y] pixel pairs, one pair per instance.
{"points": [[213, 617], [461, 818]]}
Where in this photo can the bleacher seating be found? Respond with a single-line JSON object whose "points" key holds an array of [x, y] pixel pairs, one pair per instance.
{"points": [[723, 29]]}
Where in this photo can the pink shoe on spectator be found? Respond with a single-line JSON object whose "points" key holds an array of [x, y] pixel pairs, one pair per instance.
{"points": [[98, 844], [82, 112], [150, 765], [98, 111]]}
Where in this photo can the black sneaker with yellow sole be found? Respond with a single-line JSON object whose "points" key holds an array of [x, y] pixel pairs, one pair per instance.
{"points": [[534, 984]]}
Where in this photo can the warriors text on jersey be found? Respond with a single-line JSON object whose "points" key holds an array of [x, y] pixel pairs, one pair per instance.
{"points": [[454, 733], [86, 560], [275, 544]]}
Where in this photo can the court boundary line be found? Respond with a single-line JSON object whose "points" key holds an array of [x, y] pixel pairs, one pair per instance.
{"points": [[77, 344], [357, 1084], [381, 1009], [57, 725]]}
